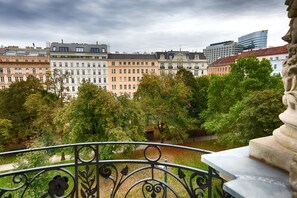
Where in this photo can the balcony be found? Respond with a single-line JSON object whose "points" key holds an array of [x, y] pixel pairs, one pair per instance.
{"points": [[87, 173]]}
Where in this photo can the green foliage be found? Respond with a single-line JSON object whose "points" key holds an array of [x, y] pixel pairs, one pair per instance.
{"points": [[164, 101], [11, 106], [244, 104], [5, 126], [96, 114]]}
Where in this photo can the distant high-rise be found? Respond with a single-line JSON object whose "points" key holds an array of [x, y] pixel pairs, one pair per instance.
{"points": [[254, 40], [221, 50]]}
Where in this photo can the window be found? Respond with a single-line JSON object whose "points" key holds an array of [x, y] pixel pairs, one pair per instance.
{"points": [[153, 71], [146, 63], [9, 79], [94, 80], [41, 79], [133, 71], [129, 70], [1, 79], [95, 50], [34, 71], [274, 66], [146, 70], [125, 79], [114, 87], [40, 70], [89, 64], [134, 78], [153, 63], [72, 80], [113, 71], [73, 88], [77, 72], [104, 80], [113, 63], [83, 72], [121, 87], [77, 64], [120, 79], [124, 71], [129, 86], [277, 58], [79, 49], [113, 79], [120, 71], [8, 70], [55, 64], [94, 71], [63, 49], [138, 71], [142, 70], [60, 64], [129, 79], [16, 79], [125, 86], [66, 64], [54, 48], [82, 64]]}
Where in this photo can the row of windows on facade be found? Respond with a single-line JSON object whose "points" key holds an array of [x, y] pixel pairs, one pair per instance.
{"points": [[17, 60], [79, 80], [19, 70], [220, 69], [83, 72], [124, 87], [195, 73], [17, 79], [133, 63], [179, 66], [78, 64], [132, 71], [125, 79], [73, 88], [78, 49], [77, 57]]}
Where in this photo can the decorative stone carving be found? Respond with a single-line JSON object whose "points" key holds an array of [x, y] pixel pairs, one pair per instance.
{"points": [[280, 150]]}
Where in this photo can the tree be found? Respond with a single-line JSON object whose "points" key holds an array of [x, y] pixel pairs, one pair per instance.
{"points": [[164, 101], [229, 97], [95, 113], [5, 126], [56, 83], [11, 106], [255, 116], [44, 106]]}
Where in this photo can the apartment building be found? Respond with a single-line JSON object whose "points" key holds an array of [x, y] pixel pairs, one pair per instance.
{"points": [[222, 49], [171, 61], [276, 56], [126, 70], [82, 61], [16, 64]]}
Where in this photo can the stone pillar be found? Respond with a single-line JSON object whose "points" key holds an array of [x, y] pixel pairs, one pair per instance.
{"points": [[281, 148]]}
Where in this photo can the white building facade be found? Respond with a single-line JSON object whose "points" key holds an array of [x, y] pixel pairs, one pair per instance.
{"points": [[82, 61], [170, 62]]}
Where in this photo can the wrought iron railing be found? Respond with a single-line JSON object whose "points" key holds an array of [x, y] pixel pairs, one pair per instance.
{"points": [[88, 174]]}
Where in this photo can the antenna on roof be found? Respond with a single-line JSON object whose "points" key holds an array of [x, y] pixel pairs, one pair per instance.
{"points": [[62, 41]]}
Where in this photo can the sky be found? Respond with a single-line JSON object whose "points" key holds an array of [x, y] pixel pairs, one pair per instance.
{"points": [[140, 25]]}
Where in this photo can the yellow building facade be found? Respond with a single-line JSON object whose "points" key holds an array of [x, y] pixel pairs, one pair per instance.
{"points": [[126, 70], [18, 68]]}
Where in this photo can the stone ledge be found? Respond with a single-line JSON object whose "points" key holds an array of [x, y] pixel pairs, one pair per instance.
{"points": [[249, 177]]}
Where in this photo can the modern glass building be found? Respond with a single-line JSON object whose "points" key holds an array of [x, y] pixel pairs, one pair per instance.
{"points": [[254, 40]]}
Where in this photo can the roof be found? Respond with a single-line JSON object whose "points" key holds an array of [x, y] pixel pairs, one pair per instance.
{"points": [[258, 53], [132, 56], [266, 52], [224, 61]]}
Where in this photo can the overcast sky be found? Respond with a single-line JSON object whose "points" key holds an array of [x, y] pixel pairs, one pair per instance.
{"points": [[140, 25]]}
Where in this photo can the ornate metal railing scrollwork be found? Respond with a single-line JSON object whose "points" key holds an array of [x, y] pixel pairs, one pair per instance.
{"points": [[87, 175]]}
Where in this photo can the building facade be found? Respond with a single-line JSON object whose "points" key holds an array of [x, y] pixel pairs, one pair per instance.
{"points": [[276, 56], [82, 61], [254, 40], [16, 64], [126, 70], [170, 62], [220, 50]]}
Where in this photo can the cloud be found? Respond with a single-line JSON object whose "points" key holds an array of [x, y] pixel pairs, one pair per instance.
{"points": [[139, 25]]}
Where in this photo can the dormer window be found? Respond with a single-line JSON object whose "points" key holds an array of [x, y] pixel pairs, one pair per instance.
{"points": [[79, 49]]}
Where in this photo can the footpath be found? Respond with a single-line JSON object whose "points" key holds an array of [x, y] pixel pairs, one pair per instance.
{"points": [[55, 158]]}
